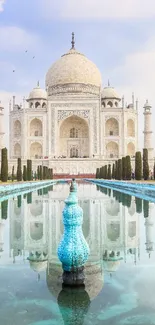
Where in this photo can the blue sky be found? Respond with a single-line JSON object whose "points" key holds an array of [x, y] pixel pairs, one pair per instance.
{"points": [[119, 36]]}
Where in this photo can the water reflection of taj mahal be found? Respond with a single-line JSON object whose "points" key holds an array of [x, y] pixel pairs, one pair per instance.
{"points": [[111, 229]]}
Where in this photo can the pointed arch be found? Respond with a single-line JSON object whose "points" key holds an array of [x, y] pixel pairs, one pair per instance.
{"points": [[131, 149], [112, 127], [130, 128], [17, 150], [36, 150], [112, 150], [36, 128], [74, 137], [17, 128]]}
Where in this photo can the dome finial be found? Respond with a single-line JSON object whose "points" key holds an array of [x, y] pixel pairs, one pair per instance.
{"points": [[38, 85], [73, 42], [108, 83]]}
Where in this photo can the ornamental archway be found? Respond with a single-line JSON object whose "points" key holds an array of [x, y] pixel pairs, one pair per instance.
{"points": [[36, 151], [74, 138], [112, 127], [112, 150], [131, 149]]}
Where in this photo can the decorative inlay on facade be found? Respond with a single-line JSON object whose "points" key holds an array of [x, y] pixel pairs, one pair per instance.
{"points": [[66, 113], [31, 118], [73, 88], [111, 140], [34, 141], [107, 117], [95, 130], [53, 131]]}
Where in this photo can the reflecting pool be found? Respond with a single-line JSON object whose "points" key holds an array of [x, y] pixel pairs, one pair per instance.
{"points": [[119, 275]]}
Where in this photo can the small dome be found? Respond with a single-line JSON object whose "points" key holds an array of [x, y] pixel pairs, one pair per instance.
{"points": [[38, 261], [38, 93], [73, 68], [111, 264], [38, 266], [110, 93], [147, 104], [94, 278]]}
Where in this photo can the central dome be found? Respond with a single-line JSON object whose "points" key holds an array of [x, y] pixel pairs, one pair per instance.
{"points": [[73, 68]]}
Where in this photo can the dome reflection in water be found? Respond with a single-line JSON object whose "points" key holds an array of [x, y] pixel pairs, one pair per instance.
{"points": [[120, 232]]}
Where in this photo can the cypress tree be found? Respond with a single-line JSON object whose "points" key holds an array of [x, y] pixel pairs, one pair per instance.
{"points": [[29, 170], [102, 172], [4, 209], [138, 202], [44, 172], [24, 173], [4, 165], [19, 170], [146, 208], [119, 169], [145, 164], [109, 171], [128, 167], [138, 166], [154, 171], [113, 171], [19, 201], [38, 172], [41, 172], [116, 169], [106, 172], [97, 172], [124, 168], [13, 173], [51, 173], [29, 198]]}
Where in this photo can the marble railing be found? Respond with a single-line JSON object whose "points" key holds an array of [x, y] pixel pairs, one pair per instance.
{"points": [[144, 191]]}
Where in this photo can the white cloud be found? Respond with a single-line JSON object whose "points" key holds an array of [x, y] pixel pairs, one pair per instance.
{"points": [[99, 9], [1, 5], [13, 38], [137, 74]]}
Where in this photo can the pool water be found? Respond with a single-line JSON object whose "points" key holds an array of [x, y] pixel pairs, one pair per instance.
{"points": [[120, 273]]}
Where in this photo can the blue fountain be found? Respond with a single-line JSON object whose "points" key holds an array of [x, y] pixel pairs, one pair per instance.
{"points": [[73, 250]]}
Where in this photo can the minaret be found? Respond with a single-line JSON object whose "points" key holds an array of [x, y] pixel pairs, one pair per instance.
{"points": [[149, 229], [147, 130], [1, 127]]}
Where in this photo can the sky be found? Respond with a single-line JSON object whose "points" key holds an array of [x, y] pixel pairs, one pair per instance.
{"points": [[118, 36]]}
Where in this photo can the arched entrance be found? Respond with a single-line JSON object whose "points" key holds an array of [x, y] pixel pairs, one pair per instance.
{"points": [[36, 150], [112, 150], [130, 128], [131, 149], [36, 128], [112, 127], [74, 138]]}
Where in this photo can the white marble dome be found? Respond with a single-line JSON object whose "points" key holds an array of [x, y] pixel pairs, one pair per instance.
{"points": [[73, 68], [38, 93], [110, 93]]}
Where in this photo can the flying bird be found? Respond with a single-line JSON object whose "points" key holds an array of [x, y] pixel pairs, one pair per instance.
{"points": [[26, 51], [13, 71], [33, 57]]}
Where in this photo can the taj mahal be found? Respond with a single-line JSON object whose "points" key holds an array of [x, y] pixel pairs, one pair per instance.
{"points": [[75, 125]]}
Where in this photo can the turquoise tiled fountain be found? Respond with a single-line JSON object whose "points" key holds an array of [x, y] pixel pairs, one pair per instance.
{"points": [[73, 250]]}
